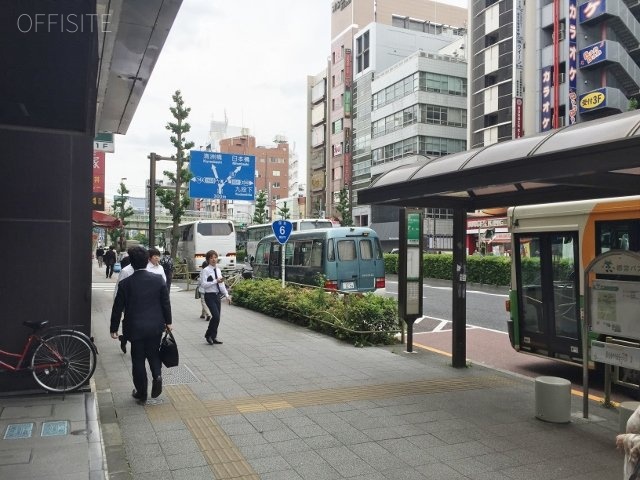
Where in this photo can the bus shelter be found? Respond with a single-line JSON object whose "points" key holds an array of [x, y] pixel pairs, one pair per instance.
{"points": [[597, 159]]}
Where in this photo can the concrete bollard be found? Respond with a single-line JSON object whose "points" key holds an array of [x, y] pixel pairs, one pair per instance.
{"points": [[553, 399], [625, 410]]}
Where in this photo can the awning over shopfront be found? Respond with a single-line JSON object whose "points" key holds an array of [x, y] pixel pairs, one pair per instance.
{"points": [[500, 238], [101, 219]]}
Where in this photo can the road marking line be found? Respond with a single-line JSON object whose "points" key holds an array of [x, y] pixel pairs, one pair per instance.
{"points": [[440, 326]]}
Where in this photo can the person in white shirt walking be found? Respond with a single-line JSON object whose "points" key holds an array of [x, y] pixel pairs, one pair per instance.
{"points": [[212, 282]]}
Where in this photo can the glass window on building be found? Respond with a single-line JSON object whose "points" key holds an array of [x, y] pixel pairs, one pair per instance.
{"points": [[362, 52]]}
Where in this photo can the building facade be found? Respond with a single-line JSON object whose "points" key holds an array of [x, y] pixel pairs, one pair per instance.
{"points": [[534, 66], [350, 56], [406, 110]]}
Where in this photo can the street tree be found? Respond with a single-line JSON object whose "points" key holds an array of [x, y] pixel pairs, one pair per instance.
{"points": [[260, 213], [284, 212], [121, 210], [176, 199], [344, 208]]}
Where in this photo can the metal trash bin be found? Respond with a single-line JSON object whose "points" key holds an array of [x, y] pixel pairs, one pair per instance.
{"points": [[553, 399]]}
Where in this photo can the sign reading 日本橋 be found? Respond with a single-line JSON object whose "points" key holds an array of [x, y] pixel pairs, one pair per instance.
{"points": [[222, 176]]}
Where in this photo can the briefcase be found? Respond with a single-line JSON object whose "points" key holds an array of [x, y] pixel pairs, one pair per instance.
{"points": [[169, 350]]}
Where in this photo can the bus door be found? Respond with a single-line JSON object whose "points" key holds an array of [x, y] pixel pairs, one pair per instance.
{"points": [[342, 265], [548, 293]]}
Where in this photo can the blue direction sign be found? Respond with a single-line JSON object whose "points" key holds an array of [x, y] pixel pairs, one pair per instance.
{"points": [[224, 176], [282, 230]]}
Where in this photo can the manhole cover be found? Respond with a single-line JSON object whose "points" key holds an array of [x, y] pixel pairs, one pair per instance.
{"points": [[51, 429], [18, 430]]}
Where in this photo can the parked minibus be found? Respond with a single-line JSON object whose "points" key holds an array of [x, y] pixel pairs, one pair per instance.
{"points": [[346, 259]]}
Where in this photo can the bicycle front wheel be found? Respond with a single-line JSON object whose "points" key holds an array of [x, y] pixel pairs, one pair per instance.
{"points": [[63, 362]]}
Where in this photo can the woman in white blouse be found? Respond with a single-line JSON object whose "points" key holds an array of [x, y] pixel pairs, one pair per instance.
{"points": [[212, 282]]}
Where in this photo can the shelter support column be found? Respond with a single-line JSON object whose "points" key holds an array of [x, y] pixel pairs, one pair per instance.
{"points": [[459, 291]]}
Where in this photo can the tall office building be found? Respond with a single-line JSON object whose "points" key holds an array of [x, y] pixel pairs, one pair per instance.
{"points": [[544, 64], [351, 56]]}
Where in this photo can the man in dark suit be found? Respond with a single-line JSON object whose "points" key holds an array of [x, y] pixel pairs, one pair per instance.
{"points": [[147, 313]]}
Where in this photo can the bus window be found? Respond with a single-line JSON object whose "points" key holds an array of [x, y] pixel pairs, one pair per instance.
{"points": [[275, 254], [316, 254], [366, 250], [346, 250], [331, 253], [215, 229], [262, 254], [531, 281], [565, 288], [617, 235], [302, 252]]}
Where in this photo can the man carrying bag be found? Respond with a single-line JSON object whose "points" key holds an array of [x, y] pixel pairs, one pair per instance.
{"points": [[144, 298]]}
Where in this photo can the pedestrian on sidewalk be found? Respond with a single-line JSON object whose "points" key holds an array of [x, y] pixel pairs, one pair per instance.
{"points": [[127, 271], [212, 282], [144, 299], [110, 260], [206, 313], [100, 255], [166, 262]]}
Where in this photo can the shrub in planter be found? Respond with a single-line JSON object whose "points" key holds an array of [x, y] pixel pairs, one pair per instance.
{"points": [[339, 315]]}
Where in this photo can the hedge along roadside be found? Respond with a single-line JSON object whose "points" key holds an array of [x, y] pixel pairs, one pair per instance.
{"points": [[367, 319], [488, 270]]}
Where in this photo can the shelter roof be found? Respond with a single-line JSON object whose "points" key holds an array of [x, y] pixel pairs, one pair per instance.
{"points": [[595, 159]]}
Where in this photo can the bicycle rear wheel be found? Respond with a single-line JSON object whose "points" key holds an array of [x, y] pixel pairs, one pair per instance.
{"points": [[63, 362]]}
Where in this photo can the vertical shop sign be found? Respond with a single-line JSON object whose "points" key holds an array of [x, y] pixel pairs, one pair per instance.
{"points": [[348, 68], [545, 111], [518, 65], [573, 63], [97, 201]]}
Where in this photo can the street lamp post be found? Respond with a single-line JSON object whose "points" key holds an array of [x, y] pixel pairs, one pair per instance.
{"points": [[123, 200], [153, 158]]}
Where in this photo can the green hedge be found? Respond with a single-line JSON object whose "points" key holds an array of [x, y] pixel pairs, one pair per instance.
{"points": [[562, 270], [366, 319], [489, 270]]}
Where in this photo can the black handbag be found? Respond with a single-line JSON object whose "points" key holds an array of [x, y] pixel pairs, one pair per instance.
{"points": [[169, 350]]}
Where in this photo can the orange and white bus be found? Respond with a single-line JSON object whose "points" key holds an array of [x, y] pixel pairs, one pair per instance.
{"points": [[552, 244]]}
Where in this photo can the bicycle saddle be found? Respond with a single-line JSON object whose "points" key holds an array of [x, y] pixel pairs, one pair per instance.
{"points": [[35, 324]]}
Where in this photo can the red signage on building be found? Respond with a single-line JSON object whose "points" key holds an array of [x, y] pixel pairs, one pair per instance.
{"points": [[97, 201], [518, 127], [347, 168], [348, 68]]}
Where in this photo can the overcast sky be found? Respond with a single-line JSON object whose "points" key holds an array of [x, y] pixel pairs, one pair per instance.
{"points": [[249, 58]]}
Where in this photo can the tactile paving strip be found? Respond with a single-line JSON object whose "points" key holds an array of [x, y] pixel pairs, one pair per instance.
{"points": [[225, 459], [179, 375], [350, 394]]}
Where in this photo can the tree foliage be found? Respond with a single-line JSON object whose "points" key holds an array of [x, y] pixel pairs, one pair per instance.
{"points": [[122, 211], [284, 212], [260, 213], [176, 199], [344, 209]]}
